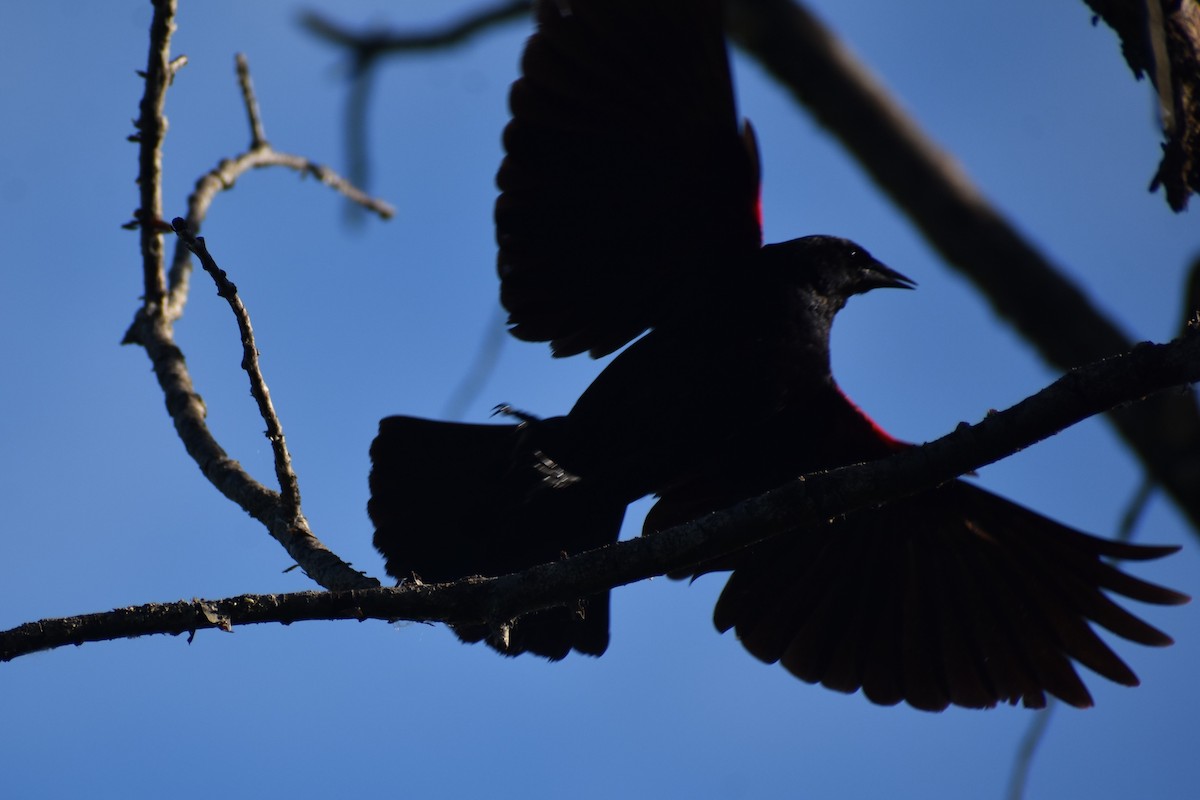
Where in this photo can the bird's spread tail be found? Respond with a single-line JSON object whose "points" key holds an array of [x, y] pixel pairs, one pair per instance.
{"points": [[451, 500]]}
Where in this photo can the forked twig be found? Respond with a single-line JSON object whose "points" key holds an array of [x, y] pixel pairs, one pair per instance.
{"points": [[153, 325]]}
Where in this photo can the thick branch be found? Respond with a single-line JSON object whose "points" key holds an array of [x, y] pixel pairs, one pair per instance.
{"points": [[808, 501], [926, 183], [929, 186]]}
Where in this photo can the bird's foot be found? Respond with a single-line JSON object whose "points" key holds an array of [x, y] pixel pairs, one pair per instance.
{"points": [[505, 410], [552, 474]]}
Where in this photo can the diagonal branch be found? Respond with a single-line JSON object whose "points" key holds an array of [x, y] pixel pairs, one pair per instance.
{"points": [[258, 135], [1161, 39], [927, 184], [289, 487], [365, 49], [807, 501]]}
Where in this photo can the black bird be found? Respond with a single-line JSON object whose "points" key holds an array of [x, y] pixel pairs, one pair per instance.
{"points": [[629, 202]]}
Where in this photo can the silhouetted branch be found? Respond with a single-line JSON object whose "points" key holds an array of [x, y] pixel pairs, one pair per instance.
{"points": [[369, 45], [152, 325], [365, 48], [930, 187], [151, 127], [258, 136], [1035, 733], [1027, 749], [808, 501], [1161, 39], [481, 368]]}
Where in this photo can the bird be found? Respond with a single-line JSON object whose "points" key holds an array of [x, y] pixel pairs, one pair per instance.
{"points": [[629, 216]]}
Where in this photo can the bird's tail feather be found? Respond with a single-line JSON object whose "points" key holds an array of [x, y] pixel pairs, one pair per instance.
{"points": [[451, 500]]}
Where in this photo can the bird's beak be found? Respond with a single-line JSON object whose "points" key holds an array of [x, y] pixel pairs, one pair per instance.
{"points": [[880, 276]]}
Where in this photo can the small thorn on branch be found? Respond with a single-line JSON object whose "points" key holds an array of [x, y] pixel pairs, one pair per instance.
{"points": [[177, 63]]}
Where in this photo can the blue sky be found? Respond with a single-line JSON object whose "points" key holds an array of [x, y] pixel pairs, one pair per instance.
{"points": [[104, 509]]}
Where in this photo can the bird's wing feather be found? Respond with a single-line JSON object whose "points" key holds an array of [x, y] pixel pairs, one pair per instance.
{"points": [[626, 182], [954, 596]]}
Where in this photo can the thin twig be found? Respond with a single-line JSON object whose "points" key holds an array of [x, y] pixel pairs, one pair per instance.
{"points": [[1134, 510], [188, 413], [804, 502], [357, 147], [1019, 778], [367, 47], [482, 366], [289, 487], [371, 44], [258, 137], [224, 176]]}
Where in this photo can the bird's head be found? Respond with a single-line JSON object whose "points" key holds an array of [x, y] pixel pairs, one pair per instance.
{"points": [[833, 268]]}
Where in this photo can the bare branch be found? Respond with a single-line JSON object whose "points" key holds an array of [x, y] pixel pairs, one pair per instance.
{"points": [[927, 184], [1021, 283], [188, 413], [289, 487], [151, 129], [1027, 749], [807, 501], [481, 368], [369, 45], [1161, 39], [152, 325], [1036, 731], [365, 49], [225, 175], [258, 137]]}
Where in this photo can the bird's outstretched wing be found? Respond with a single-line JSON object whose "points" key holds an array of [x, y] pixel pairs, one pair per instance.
{"points": [[627, 184], [954, 596]]}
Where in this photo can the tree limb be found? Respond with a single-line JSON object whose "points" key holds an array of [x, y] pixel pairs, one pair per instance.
{"points": [[153, 324], [1021, 284], [930, 187], [368, 46], [151, 127], [289, 486], [1161, 39], [808, 501]]}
